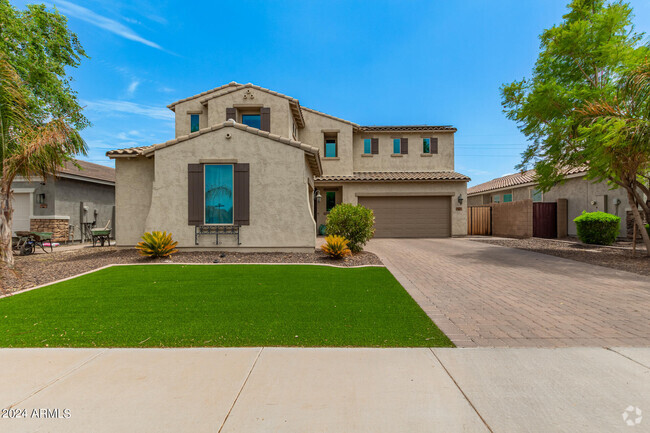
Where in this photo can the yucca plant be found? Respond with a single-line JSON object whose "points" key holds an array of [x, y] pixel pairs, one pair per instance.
{"points": [[157, 244], [336, 247]]}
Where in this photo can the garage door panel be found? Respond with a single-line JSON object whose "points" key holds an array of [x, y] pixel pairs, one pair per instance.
{"points": [[412, 216], [22, 206]]}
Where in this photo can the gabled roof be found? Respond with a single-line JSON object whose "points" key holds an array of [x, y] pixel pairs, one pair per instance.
{"points": [[294, 104], [207, 92], [516, 179], [329, 116], [370, 176], [312, 153], [88, 170], [406, 128]]}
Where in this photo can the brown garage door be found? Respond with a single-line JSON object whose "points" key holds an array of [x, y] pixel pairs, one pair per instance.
{"points": [[410, 217]]}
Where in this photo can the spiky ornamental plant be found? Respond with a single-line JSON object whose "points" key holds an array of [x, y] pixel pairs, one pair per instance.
{"points": [[157, 244], [336, 247]]}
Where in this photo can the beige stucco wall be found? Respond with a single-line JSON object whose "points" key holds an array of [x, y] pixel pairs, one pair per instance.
{"points": [[385, 160], [183, 111], [351, 191], [313, 135], [132, 198], [280, 112], [280, 208], [580, 194]]}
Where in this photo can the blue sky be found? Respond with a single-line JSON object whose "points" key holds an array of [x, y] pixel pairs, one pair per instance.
{"points": [[371, 62]]}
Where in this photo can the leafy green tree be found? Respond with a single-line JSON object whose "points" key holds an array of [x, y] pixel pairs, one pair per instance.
{"points": [[39, 112], [582, 61], [39, 46]]}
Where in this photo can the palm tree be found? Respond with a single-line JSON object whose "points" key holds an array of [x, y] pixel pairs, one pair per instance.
{"points": [[27, 149], [622, 125]]}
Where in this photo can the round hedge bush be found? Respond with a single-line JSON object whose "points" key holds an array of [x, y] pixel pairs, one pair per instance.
{"points": [[598, 228], [354, 223]]}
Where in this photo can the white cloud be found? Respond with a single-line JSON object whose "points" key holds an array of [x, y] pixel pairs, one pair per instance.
{"points": [[114, 106], [133, 87], [103, 22]]}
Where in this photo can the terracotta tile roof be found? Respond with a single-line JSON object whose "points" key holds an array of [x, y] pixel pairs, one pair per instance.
{"points": [[135, 151], [207, 92], [313, 154], [406, 128], [330, 116], [516, 179], [371, 176], [89, 170]]}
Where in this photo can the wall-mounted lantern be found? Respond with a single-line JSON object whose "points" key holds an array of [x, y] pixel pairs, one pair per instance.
{"points": [[460, 199], [40, 199], [317, 196]]}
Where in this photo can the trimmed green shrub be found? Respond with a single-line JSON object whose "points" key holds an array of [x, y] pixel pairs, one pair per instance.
{"points": [[354, 223], [598, 228], [647, 228]]}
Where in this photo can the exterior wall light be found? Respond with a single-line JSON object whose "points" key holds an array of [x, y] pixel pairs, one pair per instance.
{"points": [[40, 199], [460, 199], [317, 196]]}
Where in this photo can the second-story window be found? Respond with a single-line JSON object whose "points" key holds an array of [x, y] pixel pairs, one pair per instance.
{"points": [[430, 145], [397, 145], [252, 120], [367, 146], [331, 149], [194, 122]]}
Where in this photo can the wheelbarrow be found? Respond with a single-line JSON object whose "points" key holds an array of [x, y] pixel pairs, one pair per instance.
{"points": [[102, 235], [26, 242]]}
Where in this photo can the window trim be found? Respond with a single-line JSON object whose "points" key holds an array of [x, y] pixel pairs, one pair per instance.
{"points": [[496, 198], [198, 122], [232, 166]]}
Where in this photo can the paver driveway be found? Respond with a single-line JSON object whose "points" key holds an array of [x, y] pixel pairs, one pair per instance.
{"points": [[488, 295]]}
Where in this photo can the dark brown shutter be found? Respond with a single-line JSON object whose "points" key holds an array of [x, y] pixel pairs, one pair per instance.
{"points": [[242, 194], [404, 146], [231, 113], [195, 194], [265, 119], [433, 148], [374, 146]]}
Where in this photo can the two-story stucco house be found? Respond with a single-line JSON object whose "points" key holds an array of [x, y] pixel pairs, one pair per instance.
{"points": [[251, 169]]}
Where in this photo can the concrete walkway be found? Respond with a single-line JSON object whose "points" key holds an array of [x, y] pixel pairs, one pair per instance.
{"points": [[324, 390], [493, 296]]}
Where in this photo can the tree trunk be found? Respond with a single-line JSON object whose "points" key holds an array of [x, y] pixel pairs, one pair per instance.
{"points": [[6, 218], [639, 221]]}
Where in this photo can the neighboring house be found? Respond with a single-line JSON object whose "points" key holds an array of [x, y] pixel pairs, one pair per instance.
{"points": [[258, 167], [581, 195], [73, 196]]}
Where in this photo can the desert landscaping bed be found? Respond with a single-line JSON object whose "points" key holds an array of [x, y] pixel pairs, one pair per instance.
{"points": [[30, 271], [616, 258]]}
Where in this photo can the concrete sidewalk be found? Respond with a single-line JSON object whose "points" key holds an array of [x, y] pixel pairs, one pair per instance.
{"points": [[324, 390]]}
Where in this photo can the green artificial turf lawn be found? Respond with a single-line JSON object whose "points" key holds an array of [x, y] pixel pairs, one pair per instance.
{"points": [[224, 305]]}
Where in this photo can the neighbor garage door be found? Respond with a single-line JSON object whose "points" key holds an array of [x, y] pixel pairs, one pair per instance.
{"points": [[410, 217], [21, 205]]}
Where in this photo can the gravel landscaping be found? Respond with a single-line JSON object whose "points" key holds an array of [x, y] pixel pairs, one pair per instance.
{"points": [[30, 271], [616, 258]]}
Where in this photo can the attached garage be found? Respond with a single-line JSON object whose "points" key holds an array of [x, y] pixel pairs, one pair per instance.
{"points": [[410, 216]]}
